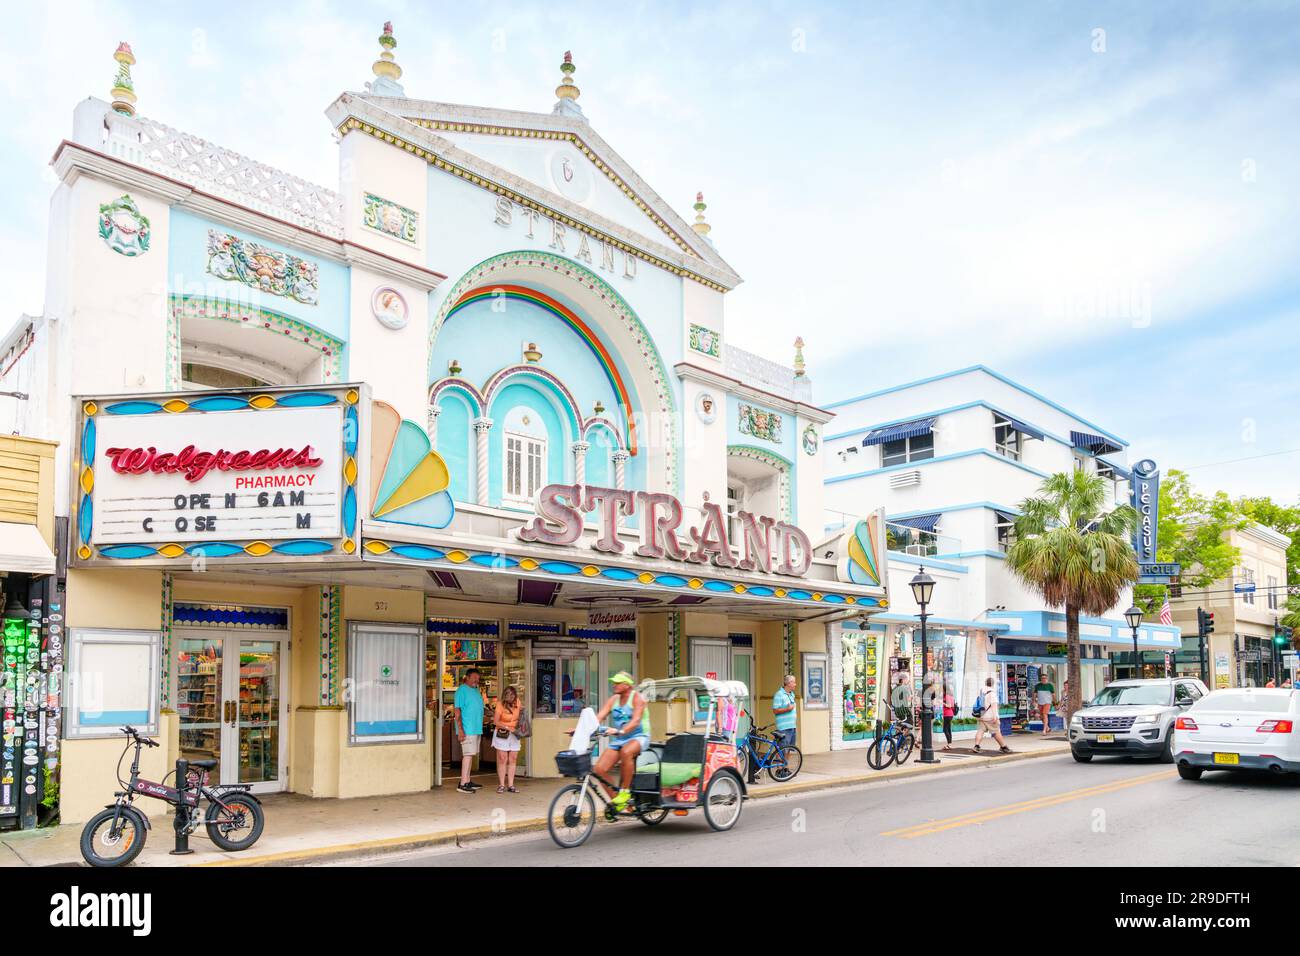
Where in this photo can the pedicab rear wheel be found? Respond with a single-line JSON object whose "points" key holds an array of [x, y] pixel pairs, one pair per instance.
{"points": [[572, 817], [723, 800]]}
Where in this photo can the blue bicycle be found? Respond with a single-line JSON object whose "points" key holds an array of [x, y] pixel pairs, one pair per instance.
{"points": [[896, 743], [781, 761]]}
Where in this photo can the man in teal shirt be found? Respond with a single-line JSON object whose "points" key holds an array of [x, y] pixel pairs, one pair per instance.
{"points": [[783, 706], [468, 707]]}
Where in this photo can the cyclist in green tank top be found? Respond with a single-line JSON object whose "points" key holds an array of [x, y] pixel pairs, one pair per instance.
{"points": [[629, 725]]}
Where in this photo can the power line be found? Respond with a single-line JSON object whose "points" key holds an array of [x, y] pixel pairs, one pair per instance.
{"points": [[1233, 461]]}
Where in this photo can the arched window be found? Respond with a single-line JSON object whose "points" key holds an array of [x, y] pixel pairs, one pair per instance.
{"points": [[524, 456]]}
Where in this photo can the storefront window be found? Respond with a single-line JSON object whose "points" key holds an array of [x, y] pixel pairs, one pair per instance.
{"points": [[860, 653], [113, 682], [385, 683]]}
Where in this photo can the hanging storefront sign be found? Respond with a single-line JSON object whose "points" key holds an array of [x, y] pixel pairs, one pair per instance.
{"points": [[218, 475], [559, 521], [609, 619]]}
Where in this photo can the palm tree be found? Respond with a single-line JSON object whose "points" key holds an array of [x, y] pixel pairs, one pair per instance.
{"points": [[1071, 551]]}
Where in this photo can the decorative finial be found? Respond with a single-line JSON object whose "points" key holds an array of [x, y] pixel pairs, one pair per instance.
{"points": [[700, 225], [567, 91], [532, 354], [123, 89], [386, 70], [799, 368]]}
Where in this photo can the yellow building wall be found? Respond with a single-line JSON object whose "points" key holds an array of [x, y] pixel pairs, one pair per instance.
{"points": [[118, 598]]}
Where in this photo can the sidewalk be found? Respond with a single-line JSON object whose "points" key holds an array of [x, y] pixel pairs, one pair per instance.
{"points": [[301, 829]]}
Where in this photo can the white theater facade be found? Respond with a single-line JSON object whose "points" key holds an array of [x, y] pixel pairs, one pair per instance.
{"points": [[322, 452]]}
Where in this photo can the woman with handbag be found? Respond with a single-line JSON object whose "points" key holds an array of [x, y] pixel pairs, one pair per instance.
{"points": [[505, 738], [949, 712]]}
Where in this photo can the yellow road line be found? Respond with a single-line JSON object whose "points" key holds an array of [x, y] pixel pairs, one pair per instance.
{"points": [[993, 813]]}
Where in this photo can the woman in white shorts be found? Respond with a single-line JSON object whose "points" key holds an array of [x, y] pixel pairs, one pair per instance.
{"points": [[504, 739]]}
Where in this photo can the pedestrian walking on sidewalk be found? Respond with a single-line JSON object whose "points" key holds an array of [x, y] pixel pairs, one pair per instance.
{"points": [[989, 722], [1044, 691], [467, 707], [505, 739], [786, 711], [949, 712]]}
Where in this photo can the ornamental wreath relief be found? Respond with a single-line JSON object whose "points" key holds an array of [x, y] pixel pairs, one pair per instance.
{"points": [[123, 227], [269, 270]]}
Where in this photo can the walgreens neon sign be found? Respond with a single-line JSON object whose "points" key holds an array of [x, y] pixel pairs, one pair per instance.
{"points": [[195, 464], [559, 521]]}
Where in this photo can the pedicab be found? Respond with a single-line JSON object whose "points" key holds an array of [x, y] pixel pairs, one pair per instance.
{"points": [[694, 770]]}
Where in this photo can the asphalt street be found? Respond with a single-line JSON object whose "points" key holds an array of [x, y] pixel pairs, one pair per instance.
{"points": [[1044, 812]]}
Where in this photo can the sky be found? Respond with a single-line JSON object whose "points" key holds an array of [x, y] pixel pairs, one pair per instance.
{"points": [[1098, 200]]}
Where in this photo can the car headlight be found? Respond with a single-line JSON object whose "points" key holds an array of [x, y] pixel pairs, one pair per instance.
{"points": [[1076, 718], [1146, 719]]}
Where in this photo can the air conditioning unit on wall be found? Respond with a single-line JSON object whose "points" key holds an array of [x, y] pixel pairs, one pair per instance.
{"points": [[905, 479]]}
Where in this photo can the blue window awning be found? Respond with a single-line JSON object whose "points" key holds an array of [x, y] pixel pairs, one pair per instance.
{"points": [[1119, 470], [877, 436], [919, 522], [1093, 443], [1005, 516], [1029, 431]]}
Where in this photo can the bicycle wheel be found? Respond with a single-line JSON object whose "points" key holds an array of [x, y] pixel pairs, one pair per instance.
{"points": [[742, 762], [572, 817], [903, 748], [101, 846], [652, 818], [236, 826], [880, 754], [722, 801], [786, 763]]}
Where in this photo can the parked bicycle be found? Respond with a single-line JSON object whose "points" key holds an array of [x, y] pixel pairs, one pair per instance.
{"points": [[115, 835], [895, 744], [781, 761]]}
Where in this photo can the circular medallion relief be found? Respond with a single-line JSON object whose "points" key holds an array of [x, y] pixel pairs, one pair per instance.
{"points": [[706, 407], [571, 176], [810, 440], [390, 308]]}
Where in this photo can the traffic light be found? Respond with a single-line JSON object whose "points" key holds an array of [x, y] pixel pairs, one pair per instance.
{"points": [[1204, 622]]}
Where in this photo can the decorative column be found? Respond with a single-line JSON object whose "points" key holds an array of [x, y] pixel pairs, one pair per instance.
{"points": [[331, 629], [620, 468], [165, 651], [580, 449], [433, 425], [481, 429], [787, 646]]}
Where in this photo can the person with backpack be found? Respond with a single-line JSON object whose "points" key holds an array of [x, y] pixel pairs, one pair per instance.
{"points": [[987, 721]]}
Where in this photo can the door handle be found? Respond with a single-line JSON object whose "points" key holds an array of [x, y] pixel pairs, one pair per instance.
{"points": [[230, 712]]}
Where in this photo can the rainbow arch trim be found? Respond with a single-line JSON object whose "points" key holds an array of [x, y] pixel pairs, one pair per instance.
{"points": [[584, 331]]}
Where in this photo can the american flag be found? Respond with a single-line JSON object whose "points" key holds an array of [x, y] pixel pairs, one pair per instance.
{"points": [[1166, 613]]}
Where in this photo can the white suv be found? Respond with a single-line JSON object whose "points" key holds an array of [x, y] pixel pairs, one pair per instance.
{"points": [[1134, 718]]}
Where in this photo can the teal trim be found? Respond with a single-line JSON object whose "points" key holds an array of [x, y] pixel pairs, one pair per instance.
{"points": [[1037, 624], [931, 461], [929, 562], [974, 554], [896, 618], [1019, 659], [997, 375]]}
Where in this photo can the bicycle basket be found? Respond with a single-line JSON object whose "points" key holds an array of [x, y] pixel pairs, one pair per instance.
{"points": [[571, 764]]}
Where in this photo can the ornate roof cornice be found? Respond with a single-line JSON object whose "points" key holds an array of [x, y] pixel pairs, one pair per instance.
{"points": [[413, 125]]}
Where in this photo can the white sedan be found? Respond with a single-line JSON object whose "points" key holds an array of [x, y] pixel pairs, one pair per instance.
{"points": [[1241, 728]]}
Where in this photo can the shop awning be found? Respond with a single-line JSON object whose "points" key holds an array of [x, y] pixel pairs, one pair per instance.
{"points": [[1029, 431], [877, 436], [1093, 443], [1119, 470], [919, 522], [1006, 516], [23, 549]]}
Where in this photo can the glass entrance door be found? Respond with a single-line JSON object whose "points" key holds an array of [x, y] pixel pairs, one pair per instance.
{"points": [[230, 701], [254, 692]]}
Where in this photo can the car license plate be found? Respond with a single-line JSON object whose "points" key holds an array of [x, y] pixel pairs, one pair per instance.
{"points": [[1226, 758], [1105, 738]]}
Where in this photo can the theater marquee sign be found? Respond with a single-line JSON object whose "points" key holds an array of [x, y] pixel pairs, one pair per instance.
{"points": [[247, 473]]}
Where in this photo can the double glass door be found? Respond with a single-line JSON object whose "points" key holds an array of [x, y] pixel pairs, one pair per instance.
{"points": [[230, 700]]}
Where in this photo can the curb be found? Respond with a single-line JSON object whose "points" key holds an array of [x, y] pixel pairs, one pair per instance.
{"points": [[441, 838]]}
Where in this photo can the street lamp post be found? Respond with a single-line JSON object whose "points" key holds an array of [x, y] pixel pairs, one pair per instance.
{"points": [[922, 590], [1134, 617]]}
